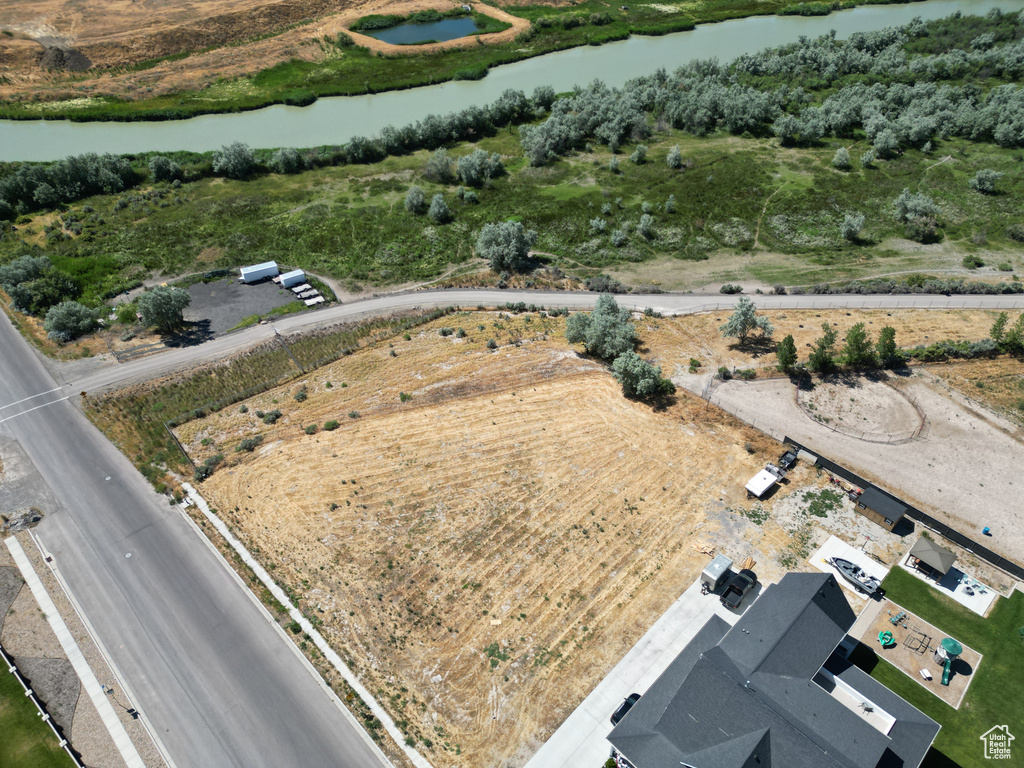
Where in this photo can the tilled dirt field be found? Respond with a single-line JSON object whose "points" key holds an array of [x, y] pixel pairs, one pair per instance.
{"points": [[484, 553]]}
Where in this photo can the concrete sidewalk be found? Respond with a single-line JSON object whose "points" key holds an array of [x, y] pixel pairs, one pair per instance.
{"points": [[581, 740], [89, 682]]}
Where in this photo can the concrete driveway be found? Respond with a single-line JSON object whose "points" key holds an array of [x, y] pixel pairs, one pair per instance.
{"points": [[581, 740]]}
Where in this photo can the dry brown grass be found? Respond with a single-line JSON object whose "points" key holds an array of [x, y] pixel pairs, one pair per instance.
{"points": [[997, 384], [517, 486], [676, 340]]}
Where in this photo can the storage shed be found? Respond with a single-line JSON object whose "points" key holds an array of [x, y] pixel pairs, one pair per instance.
{"points": [[929, 556], [257, 272], [880, 508], [296, 276]]}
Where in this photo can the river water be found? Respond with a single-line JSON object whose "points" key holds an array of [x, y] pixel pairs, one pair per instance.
{"points": [[336, 119]]}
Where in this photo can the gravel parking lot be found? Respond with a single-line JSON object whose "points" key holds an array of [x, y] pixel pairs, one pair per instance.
{"points": [[225, 303]]}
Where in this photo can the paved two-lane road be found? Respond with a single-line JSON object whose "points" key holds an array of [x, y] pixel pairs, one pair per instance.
{"points": [[220, 686], [669, 303]]}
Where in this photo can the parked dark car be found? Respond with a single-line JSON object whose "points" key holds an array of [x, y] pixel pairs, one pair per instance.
{"points": [[741, 583], [624, 707]]}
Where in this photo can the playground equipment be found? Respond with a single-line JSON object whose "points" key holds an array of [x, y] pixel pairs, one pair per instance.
{"points": [[899, 618], [949, 650], [886, 639]]}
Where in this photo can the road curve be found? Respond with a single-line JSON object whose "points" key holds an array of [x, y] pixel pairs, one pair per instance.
{"points": [[219, 685], [670, 303]]}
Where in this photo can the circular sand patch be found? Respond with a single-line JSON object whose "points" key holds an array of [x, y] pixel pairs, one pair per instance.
{"points": [[867, 409]]}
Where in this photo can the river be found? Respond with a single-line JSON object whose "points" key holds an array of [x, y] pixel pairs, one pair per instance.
{"points": [[336, 119]]}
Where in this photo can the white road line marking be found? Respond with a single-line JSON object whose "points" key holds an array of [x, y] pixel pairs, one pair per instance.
{"points": [[22, 413], [29, 398]]}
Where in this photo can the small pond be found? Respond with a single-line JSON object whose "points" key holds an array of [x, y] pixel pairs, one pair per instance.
{"points": [[411, 33]]}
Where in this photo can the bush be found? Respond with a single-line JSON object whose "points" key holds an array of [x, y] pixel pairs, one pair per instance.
{"points": [[249, 444], [301, 396], [439, 212], [353, 414], [638, 377], [852, 224], [984, 181], [730, 288], [69, 320], [724, 373], [1015, 232], [404, 397], [747, 374], [235, 161], [311, 429], [286, 161], [841, 159], [271, 417], [164, 169], [606, 332], [1004, 266], [972, 262], [639, 156], [867, 159], [492, 344], [244, 408], [330, 426], [506, 245], [670, 204], [162, 307], [605, 284], [415, 200], [674, 158]]}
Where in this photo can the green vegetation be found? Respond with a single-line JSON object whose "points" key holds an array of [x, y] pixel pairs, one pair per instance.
{"points": [[349, 70], [361, 222], [27, 741], [998, 684]]}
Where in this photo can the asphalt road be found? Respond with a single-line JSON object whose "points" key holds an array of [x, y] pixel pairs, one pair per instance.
{"points": [[113, 375], [219, 685]]}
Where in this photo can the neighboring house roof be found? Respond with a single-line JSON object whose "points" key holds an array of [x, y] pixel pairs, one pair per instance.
{"points": [[927, 551], [882, 503], [754, 695]]}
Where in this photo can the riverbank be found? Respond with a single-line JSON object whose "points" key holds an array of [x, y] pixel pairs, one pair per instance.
{"points": [[311, 61]]}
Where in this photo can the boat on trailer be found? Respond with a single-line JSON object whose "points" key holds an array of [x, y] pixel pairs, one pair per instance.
{"points": [[856, 575]]}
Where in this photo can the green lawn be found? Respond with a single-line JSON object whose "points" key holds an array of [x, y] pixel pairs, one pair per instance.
{"points": [[995, 696], [25, 740]]}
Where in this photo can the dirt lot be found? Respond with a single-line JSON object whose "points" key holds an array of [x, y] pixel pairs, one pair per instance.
{"points": [[485, 552], [483, 549], [59, 44], [994, 384]]}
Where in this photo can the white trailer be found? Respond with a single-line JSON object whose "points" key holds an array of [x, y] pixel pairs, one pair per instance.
{"points": [[257, 272], [288, 279]]}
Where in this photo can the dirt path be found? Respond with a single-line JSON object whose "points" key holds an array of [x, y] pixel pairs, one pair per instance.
{"points": [[965, 472]]}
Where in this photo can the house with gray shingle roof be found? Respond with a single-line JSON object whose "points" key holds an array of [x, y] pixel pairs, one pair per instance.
{"points": [[773, 690]]}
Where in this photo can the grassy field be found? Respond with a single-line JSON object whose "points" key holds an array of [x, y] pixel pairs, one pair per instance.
{"points": [[134, 418], [26, 741], [348, 70], [996, 695], [746, 210], [998, 384], [502, 518]]}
